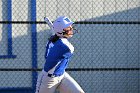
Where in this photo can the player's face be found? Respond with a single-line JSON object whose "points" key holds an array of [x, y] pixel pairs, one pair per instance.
{"points": [[69, 31]]}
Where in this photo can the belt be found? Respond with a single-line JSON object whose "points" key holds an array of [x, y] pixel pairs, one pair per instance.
{"points": [[51, 75]]}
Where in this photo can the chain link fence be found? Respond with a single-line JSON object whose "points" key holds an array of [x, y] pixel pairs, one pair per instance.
{"points": [[107, 47]]}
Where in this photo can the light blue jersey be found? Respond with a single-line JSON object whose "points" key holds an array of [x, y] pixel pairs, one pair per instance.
{"points": [[57, 56]]}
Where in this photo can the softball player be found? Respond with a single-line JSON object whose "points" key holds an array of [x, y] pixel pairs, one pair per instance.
{"points": [[58, 52]]}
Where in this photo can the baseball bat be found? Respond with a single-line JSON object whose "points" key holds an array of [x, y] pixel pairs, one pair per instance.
{"points": [[48, 21]]}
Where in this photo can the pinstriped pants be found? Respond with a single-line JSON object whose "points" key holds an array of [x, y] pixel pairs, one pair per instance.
{"points": [[64, 83]]}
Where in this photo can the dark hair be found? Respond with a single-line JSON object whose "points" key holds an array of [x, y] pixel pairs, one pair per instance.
{"points": [[53, 38]]}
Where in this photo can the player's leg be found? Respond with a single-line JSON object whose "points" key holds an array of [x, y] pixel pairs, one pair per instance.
{"points": [[69, 85], [46, 84]]}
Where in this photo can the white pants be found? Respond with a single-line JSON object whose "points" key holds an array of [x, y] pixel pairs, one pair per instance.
{"points": [[64, 83]]}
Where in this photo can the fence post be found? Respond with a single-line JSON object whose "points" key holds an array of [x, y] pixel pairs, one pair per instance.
{"points": [[8, 28], [34, 42]]}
